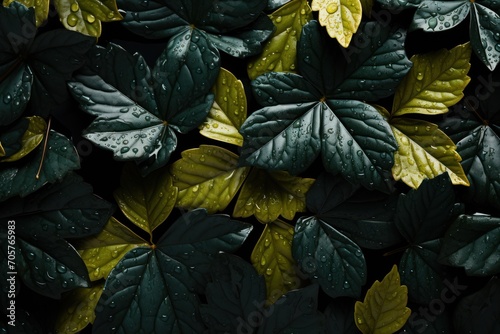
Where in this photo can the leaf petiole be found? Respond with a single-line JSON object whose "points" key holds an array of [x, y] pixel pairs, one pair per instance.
{"points": [[45, 141]]}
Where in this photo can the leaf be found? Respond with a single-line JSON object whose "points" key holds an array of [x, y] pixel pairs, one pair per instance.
{"points": [[146, 201], [12, 136], [450, 15], [340, 318], [483, 32], [15, 92], [41, 8], [85, 16], [58, 161], [472, 242], [435, 82], [384, 307], [30, 139], [102, 252], [272, 258], [366, 7], [419, 323], [236, 292], [328, 257], [424, 151], [76, 310], [340, 17], [2, 151], [228, 112], [207, 177], [270, 194], [279, 54]]}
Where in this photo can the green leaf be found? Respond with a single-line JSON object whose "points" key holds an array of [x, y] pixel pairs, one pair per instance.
{"points": [[340, 318], [31, 138], [41, 8], [366, 7], [279, 52], [207, 177], [295, 312], [235, 292], [228, 112], [341, 18], [435, 82], [85, 16], [11, 138], [328, 257], [423, 325], [437, 16], [57, 162], [270, 194], [272, 258], [146, 201], [483, 31], [472, 242], [399, 4], [15, 91], [384, 309]]}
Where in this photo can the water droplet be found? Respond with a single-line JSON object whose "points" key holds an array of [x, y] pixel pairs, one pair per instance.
{"points": [[72, 20], [7, 98], [269, 271], [61, 268], [90, 18], [74, 7], [420, 76], [332, 8], [263, 261]]}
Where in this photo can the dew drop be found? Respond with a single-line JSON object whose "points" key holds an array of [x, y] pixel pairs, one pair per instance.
{"points": [[72, 20]]}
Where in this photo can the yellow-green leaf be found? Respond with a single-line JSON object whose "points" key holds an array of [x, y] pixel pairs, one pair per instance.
{"points": [[384, 309], [102, 252], [76, 310], [341, 18], [423, 152], [41, 8], [435, 82], [207, 177], [228, 112], [279, 54], [85, 16], [269, 194], [146, 201], [272, 258], [2, 150], [31, 138]]}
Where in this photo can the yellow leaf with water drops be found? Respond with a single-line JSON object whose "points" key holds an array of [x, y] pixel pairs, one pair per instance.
{"points": [[76, 309], [435, 82], [279, 53], [31, 138], [269, 194], [102, 252], [146, 201], [384, 309], [85, 16], [272, 258], [341, 18], [41, 8], [424, 152], [228, 111], [207, 177]]}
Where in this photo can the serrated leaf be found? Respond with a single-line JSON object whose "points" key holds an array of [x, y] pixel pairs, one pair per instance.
{"points": [[451, 13], [328, 257], [207, 177], [483, 31], [383, 310], [270, 194], [85, 16], [272, 258], [102, 252], [30, 139], [228, 112], [424, 151], [279, 54], [435, 82], [146, 201], [473, 242], [15, 91], [340, 17], [41, 8], [76, 310]]}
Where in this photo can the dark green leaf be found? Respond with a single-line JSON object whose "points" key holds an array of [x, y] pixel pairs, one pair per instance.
{"points": [[15, 91], [11, 139], [329, 258], [17, 27], [295, 312], [399, 4], [339, 317], [274, 4], [25, 323], [440, 15], [479, 310], [60, 158], [484, 29], [473, 242], [291, 88], [422, 323], [235, 292]]}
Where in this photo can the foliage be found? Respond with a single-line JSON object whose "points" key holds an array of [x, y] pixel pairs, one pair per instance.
{"points": [[259, 166]]}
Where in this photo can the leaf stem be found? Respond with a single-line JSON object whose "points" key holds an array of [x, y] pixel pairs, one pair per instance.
{"points": [[44, 151], [397, 250], [469, 106]]}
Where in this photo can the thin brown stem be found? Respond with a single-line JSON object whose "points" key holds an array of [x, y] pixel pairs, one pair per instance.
{"points": [[44, 151], [469, 106]]}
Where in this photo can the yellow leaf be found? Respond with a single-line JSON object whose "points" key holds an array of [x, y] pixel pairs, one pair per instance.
{"points": [[341, 18], [76, 309], [384, 309], [85, 16], [272, 258], [146, 201], [102, 252], [31, 138], [228, 112], [423, 152], [435, 82], [41, 8], [207, 177], [269, 194], [279, 54]]}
